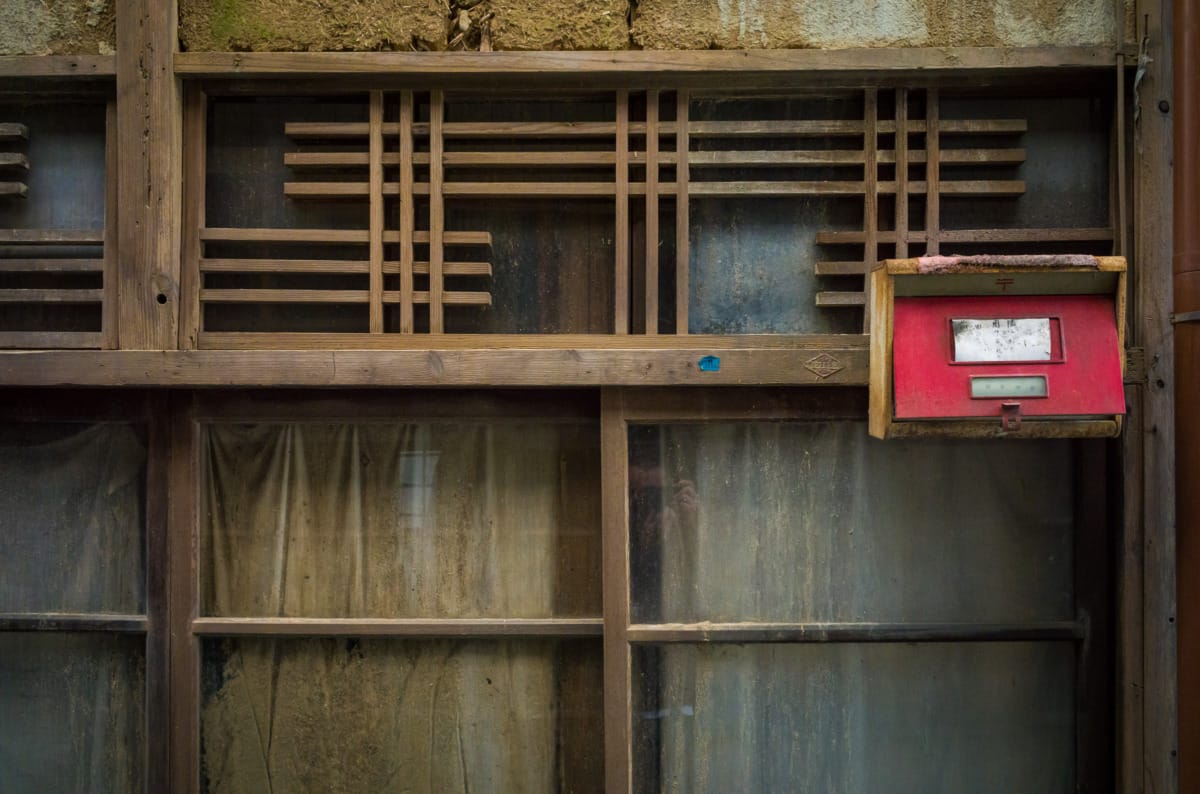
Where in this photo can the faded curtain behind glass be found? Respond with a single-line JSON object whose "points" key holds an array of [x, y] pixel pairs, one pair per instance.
{"points": [[71, 540], [419, 520], [816, 522], [71, 525]]}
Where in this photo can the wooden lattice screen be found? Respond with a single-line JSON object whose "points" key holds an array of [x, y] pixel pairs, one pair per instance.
{"points": [[57, 285], [653, 150]]}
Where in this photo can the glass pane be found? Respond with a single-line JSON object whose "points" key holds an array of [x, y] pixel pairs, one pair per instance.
{"points": [[977, 717], [431, 520], [73, 708], [72, 518], [813, 521], [319, 715]]}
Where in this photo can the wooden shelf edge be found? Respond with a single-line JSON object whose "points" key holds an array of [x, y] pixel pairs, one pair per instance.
{"points": [[62, 621], [386, 627], [856, 632], [83, 66], [637, 62], [819, 364]]}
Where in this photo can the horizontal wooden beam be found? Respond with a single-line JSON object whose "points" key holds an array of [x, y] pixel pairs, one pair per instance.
{"points": [[14, 160], [51, 340], [810, 63], [61, 621], [711, 188], [51, 237], [330, 236], [51, 295], [341, 296], [10, 131], [839, 365], [88, 66], [398, 627], [329, 266], [856, 632]]}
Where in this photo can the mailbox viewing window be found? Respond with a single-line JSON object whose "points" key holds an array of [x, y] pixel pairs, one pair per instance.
{"points": [[998, 345]]}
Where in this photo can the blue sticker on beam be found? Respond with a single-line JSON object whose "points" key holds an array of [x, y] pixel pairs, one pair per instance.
{"points": [[710, 364]]}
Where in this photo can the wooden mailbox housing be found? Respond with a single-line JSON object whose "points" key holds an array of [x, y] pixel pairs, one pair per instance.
{"points": [[1070, 387]]}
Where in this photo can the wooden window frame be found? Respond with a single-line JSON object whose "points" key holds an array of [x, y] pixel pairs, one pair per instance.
{"points": [[1091, 631], [189, 628], [149, 411]]}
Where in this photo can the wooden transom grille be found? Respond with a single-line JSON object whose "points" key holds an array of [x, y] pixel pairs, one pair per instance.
{"points": [[55, 283], [891, 150]]}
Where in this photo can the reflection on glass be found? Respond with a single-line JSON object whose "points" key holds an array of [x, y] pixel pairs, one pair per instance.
{"points": [[401, 520], [986, 718], [72, 518], [349, 715], [813, 521], [72, 707]]}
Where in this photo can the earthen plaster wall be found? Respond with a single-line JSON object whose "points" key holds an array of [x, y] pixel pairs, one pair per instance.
{"points": [[39, 27], [649, 24], [57, 27]]}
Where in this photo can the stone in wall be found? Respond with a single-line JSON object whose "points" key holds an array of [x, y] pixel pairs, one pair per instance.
{"points": [[565, 25], [768, 24], [57, 27], [312, 25]]}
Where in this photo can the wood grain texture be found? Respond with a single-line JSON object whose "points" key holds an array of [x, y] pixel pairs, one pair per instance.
{"points": [[933, 202], [683, 295], [437, 214], [434, 367], [149, 123], [195, 124], [112, 227], [183, 585], [390, 627], [407, 211], [651, 233], [856, 632], [59, 66], [633, 63], [618, 673], [621, 234], [376, 221], [1152, 188]]}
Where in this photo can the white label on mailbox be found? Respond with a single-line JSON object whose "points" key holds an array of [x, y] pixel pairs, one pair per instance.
{"points": [[984, 341]]}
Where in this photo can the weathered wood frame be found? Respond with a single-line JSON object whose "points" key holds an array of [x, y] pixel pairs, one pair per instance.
{"points": [[189, 627], [1091, 631], [151, 411], [1146, 581]]}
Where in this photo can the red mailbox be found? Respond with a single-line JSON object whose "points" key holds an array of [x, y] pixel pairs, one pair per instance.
{"points": [[1021, 346]]}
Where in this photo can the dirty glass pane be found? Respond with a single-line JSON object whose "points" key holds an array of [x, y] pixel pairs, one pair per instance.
{"points": [[72, 520], [381, 716], [988, 718], [814, 521], [72, 707], [430, 520]]}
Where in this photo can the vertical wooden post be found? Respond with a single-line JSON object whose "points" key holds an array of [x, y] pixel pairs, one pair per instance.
{"points": [[437, 217], [375, 197], [158, 685], [871, 188], [1153, 304], [621, 236], [652, 212], [108, 310], [682, 253], [618, 706], [191, 279], [901, 175], [184, 586], [407, 218], [148, 185], [933, 169]]}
